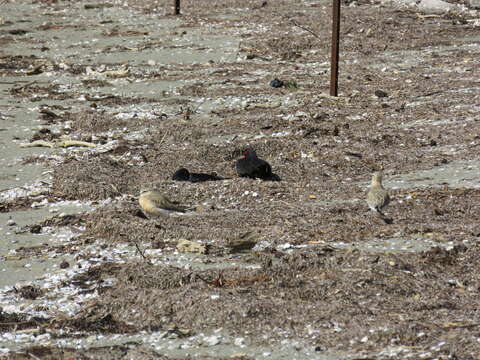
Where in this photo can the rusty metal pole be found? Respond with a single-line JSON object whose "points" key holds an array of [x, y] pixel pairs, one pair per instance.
{"points": [[176, 4], [335, 46]]}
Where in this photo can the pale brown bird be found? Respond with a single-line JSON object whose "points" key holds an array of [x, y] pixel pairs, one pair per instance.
{"points": [[377, 197], [154, 203]]}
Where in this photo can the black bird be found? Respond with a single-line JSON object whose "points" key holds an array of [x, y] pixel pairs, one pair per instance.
{"points": [[184, 175], [253, 167]]}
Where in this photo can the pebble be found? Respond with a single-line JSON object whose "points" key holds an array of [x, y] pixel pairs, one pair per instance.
{"points": [[284, 246], [211, 340], [276, 83], [380, 93], [436, 6], [11, 222], [240, 341]]}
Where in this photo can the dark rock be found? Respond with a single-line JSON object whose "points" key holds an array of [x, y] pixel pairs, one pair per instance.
{"points": [[276, 83], [380, 93]]}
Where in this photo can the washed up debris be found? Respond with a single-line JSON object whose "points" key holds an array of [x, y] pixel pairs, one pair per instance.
{"points": [[40, 143], [186, 246], [246, 241], [17, 32], [57, 144], [175, 332], [276, 83], [475, 4], [46, 114], [380, 93], [97, 6], [272, 105], [35, 70], [101, 71], [212, 340], [12, 257], [436, 6], [35, 229], [99, 97], [29, 291]]}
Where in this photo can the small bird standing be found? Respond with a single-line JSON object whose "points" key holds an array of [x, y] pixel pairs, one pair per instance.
{"points": [[154, 203], [184, 175], [377, 197], [253, 167]]}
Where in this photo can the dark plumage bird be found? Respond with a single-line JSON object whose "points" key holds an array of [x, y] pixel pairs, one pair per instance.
{"points": [[184, 175], [253, 167]]}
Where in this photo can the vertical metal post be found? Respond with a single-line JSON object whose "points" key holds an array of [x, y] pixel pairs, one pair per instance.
{"points": [[335, 46], [176, 4]]}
